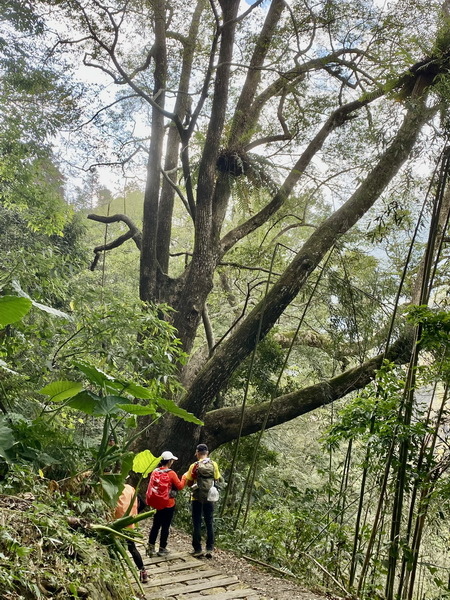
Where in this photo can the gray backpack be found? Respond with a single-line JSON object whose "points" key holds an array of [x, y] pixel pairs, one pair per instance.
{"points": [[204, 472]]}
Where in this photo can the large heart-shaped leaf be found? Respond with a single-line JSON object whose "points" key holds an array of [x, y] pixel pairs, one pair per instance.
{"points": [[145, 462], [107, 405], [138, 391], [85, 401], [95, 375], [173, 409], [12, 309], [61, 390]]}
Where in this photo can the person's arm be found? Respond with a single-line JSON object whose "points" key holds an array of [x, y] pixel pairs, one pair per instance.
{"points": [[177, 483], [217, 474]]}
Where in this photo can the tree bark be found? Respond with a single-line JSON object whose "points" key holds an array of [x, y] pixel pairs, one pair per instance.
{"points": [[181, 109], [199, 276], [149, 262]]}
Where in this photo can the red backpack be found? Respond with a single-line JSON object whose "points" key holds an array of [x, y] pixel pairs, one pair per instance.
{"points": [[158, 489]]}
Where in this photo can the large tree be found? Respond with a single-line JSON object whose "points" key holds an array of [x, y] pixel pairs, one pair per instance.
{"points": [[276, 94]]}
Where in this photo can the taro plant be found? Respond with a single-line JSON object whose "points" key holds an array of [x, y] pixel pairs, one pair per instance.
{"points": [[117, 402]]}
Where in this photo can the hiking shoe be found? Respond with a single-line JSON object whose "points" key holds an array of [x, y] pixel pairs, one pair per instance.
{"points": [[151, 550], [162, 552], [143, 576], [209, 554], [197, 553]]}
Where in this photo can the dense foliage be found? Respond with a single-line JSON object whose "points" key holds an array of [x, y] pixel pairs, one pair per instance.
{"points": [[269, 221]]}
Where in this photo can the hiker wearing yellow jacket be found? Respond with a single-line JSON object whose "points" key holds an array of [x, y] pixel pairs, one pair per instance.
{"points": [[201, 478]]}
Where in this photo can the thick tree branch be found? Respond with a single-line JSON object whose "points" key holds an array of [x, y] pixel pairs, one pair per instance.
{"points": [[338, 117], [199, 276], [222, 425], [135, 231], [248, 11], [268, 139], [114, 244], [254, 70], [290, 77]]}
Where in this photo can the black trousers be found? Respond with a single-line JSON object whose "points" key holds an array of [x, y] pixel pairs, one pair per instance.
{"points": [[203, 510], [161, 521], [137, 558]]}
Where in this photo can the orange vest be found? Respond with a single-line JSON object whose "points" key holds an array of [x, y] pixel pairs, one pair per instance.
{"points": [[125, 501]]}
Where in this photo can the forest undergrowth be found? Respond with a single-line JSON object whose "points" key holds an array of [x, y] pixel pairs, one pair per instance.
{"points": [[47, 549]]}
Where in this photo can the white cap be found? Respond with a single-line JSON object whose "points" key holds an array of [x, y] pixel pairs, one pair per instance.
{"points": [[167, 455]]}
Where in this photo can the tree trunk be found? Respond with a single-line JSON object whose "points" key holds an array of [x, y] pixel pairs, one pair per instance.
{"points": [[149, 262]]}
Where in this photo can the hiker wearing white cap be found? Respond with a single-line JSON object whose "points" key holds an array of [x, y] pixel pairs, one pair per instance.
{"points": [[161, 492]]}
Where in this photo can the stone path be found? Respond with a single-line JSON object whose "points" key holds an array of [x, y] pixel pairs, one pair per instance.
{"points": [[179, 576]]}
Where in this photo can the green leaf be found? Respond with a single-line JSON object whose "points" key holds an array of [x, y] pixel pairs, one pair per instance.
{"points": [[127, 464], [138, 391], [61, 390], [22, 551], [107, 405], [73, 589], [145, 462], [91, 404], [12, 309], [111, 485], [7, 440], [95, 376], [131, 422], [137, 409], [85, 401], [173, 409]]}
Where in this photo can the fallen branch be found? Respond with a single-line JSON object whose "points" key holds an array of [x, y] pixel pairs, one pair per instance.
{"points": [[317, 563], [267, 566]]}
